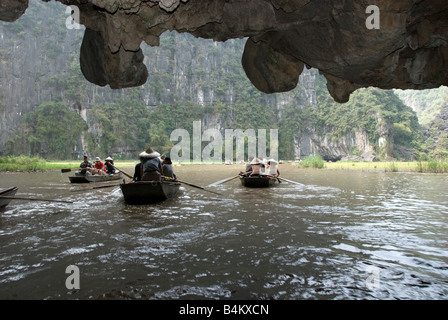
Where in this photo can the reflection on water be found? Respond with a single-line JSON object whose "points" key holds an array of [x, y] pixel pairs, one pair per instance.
{"points": [[339, 235]]}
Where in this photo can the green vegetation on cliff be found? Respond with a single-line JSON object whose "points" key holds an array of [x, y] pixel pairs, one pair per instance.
{"points": [[189, 80]]}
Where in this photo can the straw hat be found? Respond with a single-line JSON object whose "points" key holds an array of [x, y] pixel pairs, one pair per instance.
{"points": [[149, 153], [255, 161], [272, 161], [109, 159]]}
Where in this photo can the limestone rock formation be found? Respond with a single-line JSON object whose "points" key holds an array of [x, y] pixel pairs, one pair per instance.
{"points": [[395, 44]]}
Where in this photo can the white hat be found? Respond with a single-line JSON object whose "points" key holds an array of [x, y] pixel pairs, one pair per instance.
{"points": [[272, 161], [255, 161], [97, 159], [109, 159], [149, 153]]}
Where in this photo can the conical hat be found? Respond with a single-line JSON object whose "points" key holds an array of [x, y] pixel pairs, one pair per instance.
{"points": [[149, 153], [255, 161]]}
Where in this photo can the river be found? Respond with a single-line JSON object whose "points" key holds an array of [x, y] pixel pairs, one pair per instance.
{"points": [[337, 234]]}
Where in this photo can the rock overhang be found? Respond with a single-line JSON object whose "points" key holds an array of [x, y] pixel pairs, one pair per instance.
{"points": [[353, 43]]}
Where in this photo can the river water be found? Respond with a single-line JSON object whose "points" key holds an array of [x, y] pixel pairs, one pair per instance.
{"points": [[336, 235]]}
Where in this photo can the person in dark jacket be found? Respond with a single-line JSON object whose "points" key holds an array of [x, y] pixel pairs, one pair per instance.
{"points": [[110, 169], [138, 170], [86, 165], [151, 166]]}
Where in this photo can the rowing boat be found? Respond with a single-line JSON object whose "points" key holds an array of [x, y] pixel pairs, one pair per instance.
{"points": [[78, 178], [261, 181], [105, 177], [146, 192], [7, 192], [86, 178]]}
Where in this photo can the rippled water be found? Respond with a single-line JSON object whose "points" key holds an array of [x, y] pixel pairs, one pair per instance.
{"points": [[337, 235]]}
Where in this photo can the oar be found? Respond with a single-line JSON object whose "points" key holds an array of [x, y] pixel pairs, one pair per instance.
{"points": [[108, 186], [199, 187], [68, 169], [225, 180], [127, 175], [300, 184], [35, 199], [222, 181]]}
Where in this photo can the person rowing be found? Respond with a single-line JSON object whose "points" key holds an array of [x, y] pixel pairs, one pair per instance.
{"points": [[151, 166]]}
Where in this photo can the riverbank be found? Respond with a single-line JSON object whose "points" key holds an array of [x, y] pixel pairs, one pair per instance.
{"points": [[432, 166], [24, 163]]}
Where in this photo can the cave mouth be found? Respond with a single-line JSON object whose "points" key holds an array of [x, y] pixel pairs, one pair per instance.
{"points": [[394, 44]]}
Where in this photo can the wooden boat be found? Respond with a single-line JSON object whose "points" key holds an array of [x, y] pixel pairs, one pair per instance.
{"points": [[261, 181], [103, 178], [83, 178], [146, 192], [7, 192], [78, 178]]}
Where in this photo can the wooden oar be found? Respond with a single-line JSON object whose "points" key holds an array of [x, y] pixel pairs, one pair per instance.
{"points": [[127, 175], [225, 180], [68, 169], [199, 187], [300, 184], [34, 199], [108, 186], [222, 181]]}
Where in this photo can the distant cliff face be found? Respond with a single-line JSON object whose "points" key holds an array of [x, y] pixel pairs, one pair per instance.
{"points": [[40, 61]]}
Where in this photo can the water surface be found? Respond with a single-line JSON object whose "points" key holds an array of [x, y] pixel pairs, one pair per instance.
{"points": [[336, 235]]}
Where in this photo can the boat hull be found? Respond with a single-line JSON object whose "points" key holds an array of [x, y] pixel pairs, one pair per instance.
{"points": [[147, 192], [103, 178], [82, 178], [7, 192], [258, 182]]}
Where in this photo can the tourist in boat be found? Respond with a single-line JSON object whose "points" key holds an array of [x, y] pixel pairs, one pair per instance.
{"points": [[85, 166], [272, 168], [110, 169], [248, 167], [256, 166], [98, 167], [138, 170], [167, 168], [263, 164], [151, 167]]}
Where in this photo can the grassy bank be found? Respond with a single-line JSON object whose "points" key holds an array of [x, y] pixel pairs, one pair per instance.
{"points": [[24, 163], [433, 166]]}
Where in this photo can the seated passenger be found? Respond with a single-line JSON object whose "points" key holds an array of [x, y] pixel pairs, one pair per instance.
{"points": [[167, 168], [256, 166], [99, 167], [272, 168], [138, 170], [110, 169], [151, 165], [85, 166]]}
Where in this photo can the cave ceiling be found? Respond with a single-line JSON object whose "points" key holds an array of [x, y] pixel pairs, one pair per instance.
{"points": [[353, 43]]}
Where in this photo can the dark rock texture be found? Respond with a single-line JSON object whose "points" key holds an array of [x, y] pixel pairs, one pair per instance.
{"points": [[11, 10], [409, 50]]}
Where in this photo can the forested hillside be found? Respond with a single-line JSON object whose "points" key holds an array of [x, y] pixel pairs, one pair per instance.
{"points": [[426, 103], [47, 108]]}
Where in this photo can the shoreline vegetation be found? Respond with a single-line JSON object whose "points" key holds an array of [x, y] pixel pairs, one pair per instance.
{"points": [[25, 163]]}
